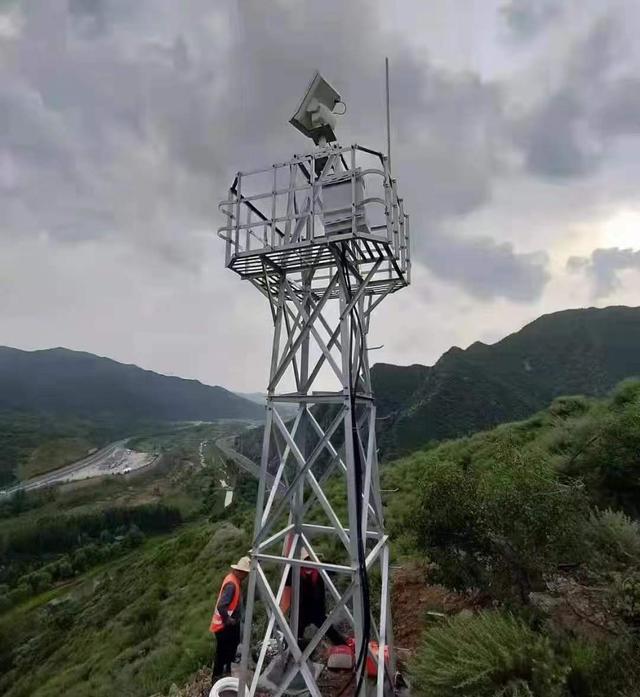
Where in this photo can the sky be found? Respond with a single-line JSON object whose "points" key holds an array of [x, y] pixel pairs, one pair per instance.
{"points": [[516, 145]]}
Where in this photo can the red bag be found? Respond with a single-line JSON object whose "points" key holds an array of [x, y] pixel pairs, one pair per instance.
{"points": [[340, 658], [372, 663]]}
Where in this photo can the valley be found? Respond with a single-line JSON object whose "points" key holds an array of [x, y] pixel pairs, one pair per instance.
{"points": [[107, 582]]}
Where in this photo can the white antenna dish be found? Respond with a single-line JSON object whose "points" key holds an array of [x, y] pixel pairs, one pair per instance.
{"points": [[314, 117]]}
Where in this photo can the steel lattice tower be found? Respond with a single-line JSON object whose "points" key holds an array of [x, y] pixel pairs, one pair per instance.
{"points": [[325, 239]]}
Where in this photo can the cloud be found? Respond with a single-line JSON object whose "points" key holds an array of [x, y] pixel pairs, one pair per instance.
{"points": [[452, 143], [486, 269], [618, 113], [526, 19], [569, 131], [604, 266], [556, 138], [134, 118]]}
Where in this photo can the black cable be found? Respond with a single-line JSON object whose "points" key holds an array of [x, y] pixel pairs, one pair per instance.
{"points": [[361, 663], [364, 575]]}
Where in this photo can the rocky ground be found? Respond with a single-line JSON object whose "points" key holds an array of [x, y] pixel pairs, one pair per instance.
{"points": [[415, 604]]}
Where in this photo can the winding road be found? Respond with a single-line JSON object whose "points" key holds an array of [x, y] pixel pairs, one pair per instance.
{"points": [[114, 458]]}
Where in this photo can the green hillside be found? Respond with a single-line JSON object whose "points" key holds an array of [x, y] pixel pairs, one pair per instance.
{"points": [[36, 442], [585, 351], [531, 528], [535, 527], [106, 587]]}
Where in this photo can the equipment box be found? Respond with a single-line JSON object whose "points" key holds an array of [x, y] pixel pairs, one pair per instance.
{"points": [[337, 196]]}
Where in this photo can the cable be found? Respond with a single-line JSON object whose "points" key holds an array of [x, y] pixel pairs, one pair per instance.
{"points": [[360, 669], [340, 113]]}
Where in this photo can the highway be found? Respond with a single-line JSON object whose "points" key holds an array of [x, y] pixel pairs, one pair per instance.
{"points": [[224, 445], [114, 458]]}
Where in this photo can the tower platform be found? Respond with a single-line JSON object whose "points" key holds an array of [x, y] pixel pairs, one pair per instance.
{"points": [[291, 216]]}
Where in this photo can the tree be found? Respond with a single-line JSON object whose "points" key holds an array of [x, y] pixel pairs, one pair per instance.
{"points": [[498, 524], [134, 537]]}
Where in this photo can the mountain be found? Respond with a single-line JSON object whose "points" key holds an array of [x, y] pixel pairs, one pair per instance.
{"points": [[56, 405], [584, 351], [75, 383]]}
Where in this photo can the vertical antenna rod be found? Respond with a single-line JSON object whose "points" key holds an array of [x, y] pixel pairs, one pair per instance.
{"points": [[386, 71]]}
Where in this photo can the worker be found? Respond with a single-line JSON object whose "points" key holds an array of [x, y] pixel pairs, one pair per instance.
{"points": [[312, 602], [225, 623]]}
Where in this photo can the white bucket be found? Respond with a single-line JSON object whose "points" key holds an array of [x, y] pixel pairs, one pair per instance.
{"points": [[225, 687]]}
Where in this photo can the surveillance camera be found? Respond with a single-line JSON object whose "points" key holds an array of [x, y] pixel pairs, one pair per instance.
{"points": [[314, 116]]}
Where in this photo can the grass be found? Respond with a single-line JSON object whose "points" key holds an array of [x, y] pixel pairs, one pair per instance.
{"points": [[183, 438], [130, 629], [54, 454]]}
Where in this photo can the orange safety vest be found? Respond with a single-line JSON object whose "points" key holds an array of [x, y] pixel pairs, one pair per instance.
{"points": [[217, 625]]}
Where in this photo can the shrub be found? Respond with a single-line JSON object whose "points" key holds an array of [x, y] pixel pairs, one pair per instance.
{"points": [[144, 620], [61, 614], [80, 560], [19, 594], [602, 668], [6, 651], [64, 569], [224, 542], [627, 393], [565, 407], [498, 525], [626, 597], [613, 538], [607, 457], [39, 581], [489, 655], [134, 537]]}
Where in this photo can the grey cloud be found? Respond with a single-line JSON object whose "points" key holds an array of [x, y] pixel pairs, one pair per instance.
{"points": [[159, 111], [106, 135], [603, 267], [447, 131], [153, 106], [453, 143], [556, 138], [486, 269], [31, 132], [618, 113], [526, 19], [90, 14], [568, 133]]}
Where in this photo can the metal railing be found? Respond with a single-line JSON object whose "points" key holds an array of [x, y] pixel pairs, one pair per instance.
{"points": [[335, 192]]}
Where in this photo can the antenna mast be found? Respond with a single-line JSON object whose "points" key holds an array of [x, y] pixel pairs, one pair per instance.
{"points": [[386, 84]]}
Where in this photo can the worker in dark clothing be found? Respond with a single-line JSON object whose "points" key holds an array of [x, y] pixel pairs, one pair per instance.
{"points": [[313, 608], [225, 623]]}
